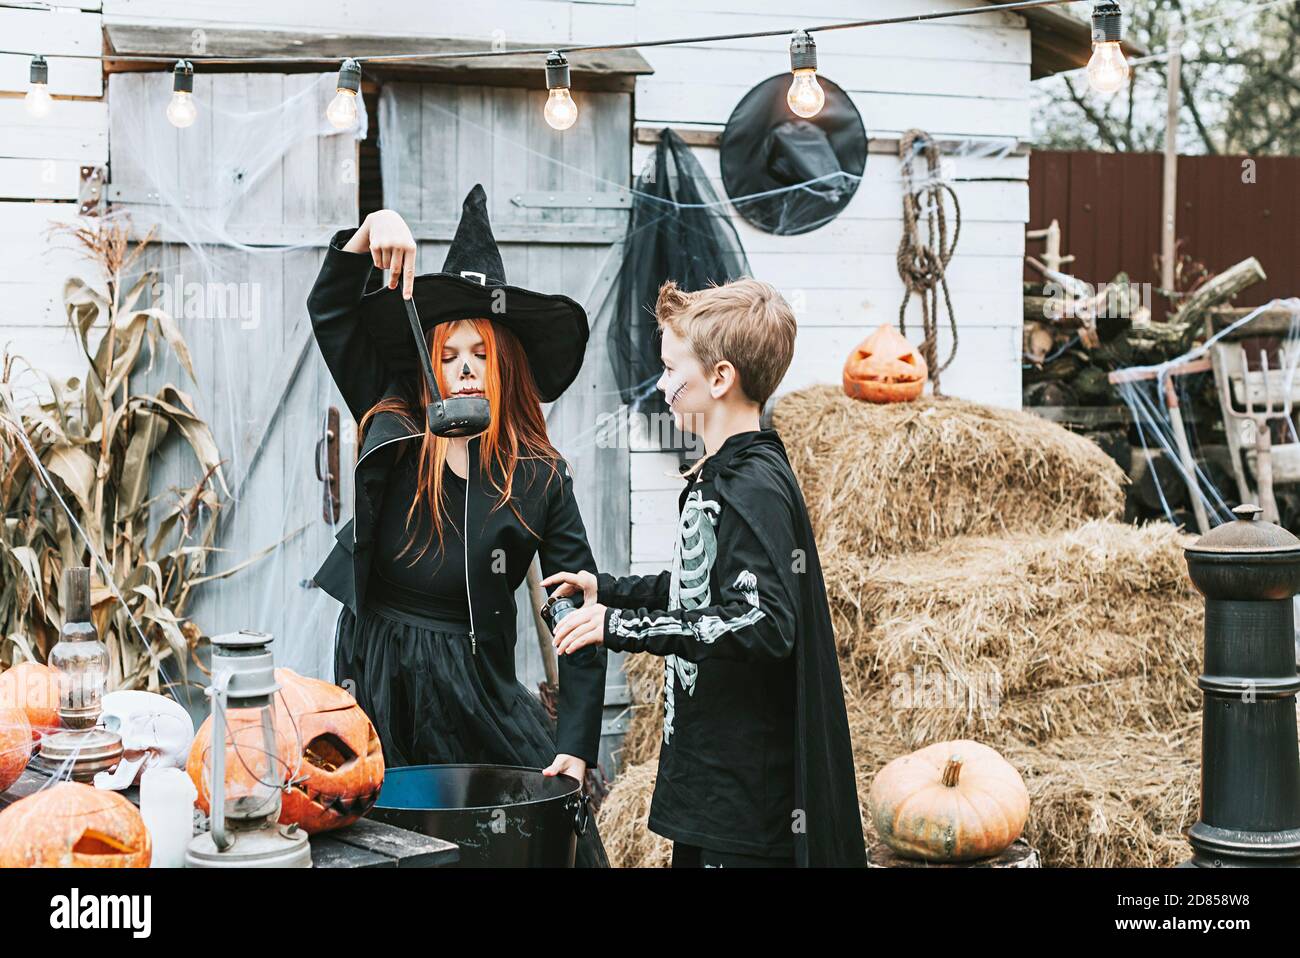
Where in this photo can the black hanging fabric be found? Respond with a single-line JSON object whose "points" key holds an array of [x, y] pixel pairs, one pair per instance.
{"points": [[678, 230]]}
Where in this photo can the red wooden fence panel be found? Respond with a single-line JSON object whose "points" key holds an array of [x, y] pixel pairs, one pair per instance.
{"points": [[1108, 205]]}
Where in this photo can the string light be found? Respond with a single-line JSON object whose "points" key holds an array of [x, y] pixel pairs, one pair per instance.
{"points": [[561, 112], [806, 96], [181, 111], [38, 100], [342, 111], [1107, 70]]}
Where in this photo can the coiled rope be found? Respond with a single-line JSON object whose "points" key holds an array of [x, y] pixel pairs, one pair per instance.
{"points": [[922, 265]]}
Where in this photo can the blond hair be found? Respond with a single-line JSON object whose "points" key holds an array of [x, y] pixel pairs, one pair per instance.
{"points": [[746, 322]]}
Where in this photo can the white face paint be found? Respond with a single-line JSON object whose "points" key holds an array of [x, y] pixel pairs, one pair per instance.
{"points": [[464, 361], [683, 383]]}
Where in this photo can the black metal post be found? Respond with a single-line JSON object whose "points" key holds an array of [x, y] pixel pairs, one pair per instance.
{"points": [[1248, 570]]}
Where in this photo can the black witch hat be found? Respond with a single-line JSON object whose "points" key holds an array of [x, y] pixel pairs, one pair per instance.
{"points": [[766, 148], [472, 284]]}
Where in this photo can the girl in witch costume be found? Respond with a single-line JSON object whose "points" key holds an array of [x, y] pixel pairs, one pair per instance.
{"points": [[427, 630]]}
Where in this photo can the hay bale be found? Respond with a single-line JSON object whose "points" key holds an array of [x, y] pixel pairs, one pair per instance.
{"points": [[645, 682], [1022, 638], [881, 480], [622, 821], [1120, 799]]}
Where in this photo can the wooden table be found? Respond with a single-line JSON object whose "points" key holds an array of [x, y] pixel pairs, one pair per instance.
{"points": [[363, 844]]}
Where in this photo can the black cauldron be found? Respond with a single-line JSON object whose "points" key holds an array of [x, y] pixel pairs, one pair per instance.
{"points": [[501, 816]]}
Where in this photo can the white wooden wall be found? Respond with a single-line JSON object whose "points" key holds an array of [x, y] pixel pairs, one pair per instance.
{"points": [[962, 78], [40, 163]]}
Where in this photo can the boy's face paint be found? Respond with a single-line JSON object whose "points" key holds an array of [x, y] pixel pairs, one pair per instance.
{"points": [[683, 383]]}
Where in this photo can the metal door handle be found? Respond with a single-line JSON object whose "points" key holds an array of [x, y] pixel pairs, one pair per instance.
{"points": [[327, 467]]}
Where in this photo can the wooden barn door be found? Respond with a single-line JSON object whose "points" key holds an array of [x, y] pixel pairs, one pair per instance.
{"points": [[259, 379], [559, 218]]}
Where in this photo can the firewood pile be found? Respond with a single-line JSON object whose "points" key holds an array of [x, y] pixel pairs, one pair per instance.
{"points": [[1076, 335]]}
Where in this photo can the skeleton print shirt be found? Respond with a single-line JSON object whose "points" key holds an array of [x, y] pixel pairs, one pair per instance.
{"points": [[724, 625]]}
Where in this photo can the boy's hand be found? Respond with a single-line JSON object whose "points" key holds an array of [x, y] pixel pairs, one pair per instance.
{"points": [[567, 765], [580, 628], [571, 582]]}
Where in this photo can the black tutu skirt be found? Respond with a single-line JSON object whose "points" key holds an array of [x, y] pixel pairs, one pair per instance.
{"points": [[434, 700]]}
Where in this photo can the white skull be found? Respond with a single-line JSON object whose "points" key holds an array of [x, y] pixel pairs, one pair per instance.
{"points": [[156, 732]]}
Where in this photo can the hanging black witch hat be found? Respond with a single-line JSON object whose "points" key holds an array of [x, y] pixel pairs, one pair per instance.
{"points": [[767, 148], [472, 284]]}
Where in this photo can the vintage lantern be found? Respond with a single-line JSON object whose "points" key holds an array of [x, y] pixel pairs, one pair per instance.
{"points": [[1248, 570], [243, 780], [71, 825], [884, 368], [81, 662]]}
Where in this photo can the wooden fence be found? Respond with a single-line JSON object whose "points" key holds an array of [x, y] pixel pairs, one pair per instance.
{"points": [[1229, 207]]}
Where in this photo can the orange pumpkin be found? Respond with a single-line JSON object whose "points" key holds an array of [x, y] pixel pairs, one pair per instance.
{"points": [[885, 367], [35, 689], [71, 825], [15, 745], [342, 764], [949, 802]]}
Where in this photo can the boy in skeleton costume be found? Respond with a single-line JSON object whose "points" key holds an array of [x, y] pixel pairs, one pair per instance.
{"points": [[755, 766]]}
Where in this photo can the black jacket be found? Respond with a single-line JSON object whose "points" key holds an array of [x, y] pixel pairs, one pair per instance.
{"points": [[768, 607], [545, 500]]}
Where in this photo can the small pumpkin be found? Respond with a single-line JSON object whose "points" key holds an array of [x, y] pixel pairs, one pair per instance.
{"points": [[949, 802], [342, 764], [885, 368], [71, 825], [35, 689], [15, 745]]}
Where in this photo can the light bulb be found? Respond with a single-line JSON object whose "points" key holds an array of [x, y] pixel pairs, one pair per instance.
{"points": [[342, 111], [806, 96], [38, 100], [181, 111], [561, 112], [1107, 70]]}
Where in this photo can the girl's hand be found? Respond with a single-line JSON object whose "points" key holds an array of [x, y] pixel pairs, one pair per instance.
{"points": [[388, 239], [580, 628], [571, 582], [568, 765]]}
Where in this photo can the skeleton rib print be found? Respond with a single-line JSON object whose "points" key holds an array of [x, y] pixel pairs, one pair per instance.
{"points": [[694, 555]]}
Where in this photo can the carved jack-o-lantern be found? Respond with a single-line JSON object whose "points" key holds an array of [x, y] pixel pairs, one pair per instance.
{"points": [[71, 825], [15, 745], [34, 688], [884, 367], [342, 765]]}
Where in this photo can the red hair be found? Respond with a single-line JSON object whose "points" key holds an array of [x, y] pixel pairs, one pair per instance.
{"points": [[516, 432]]}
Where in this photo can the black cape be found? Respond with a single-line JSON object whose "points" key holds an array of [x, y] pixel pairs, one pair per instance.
{"points": [[824, 782]]}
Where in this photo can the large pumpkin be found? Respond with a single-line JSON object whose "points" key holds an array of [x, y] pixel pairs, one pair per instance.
{"points": [[35, 689], [342, 764], [15, 745], [950, 802], [71, 825], [885, 367]]}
